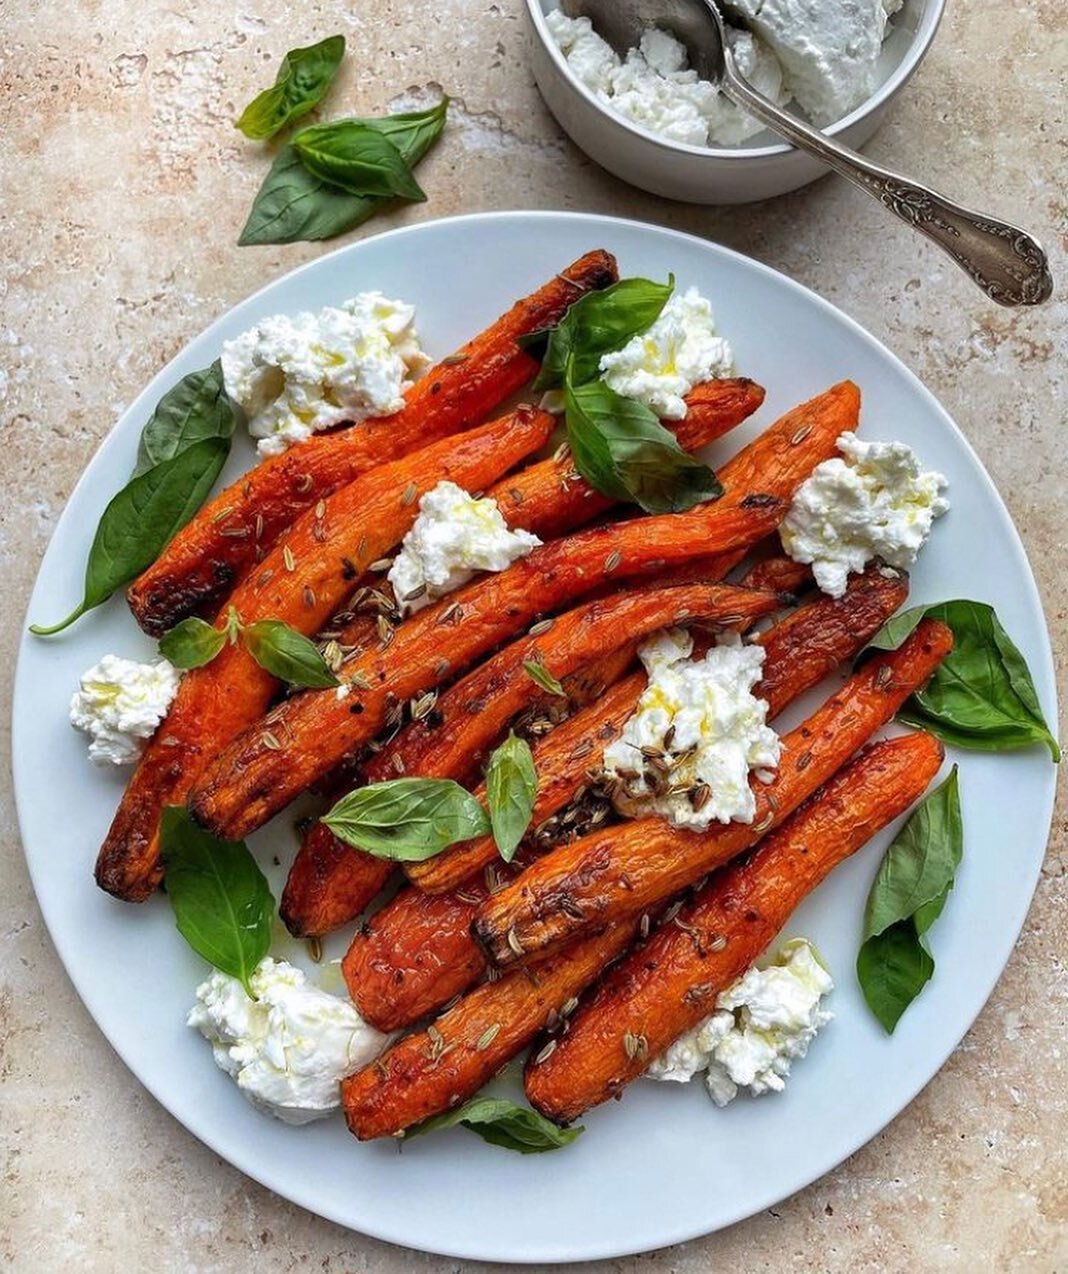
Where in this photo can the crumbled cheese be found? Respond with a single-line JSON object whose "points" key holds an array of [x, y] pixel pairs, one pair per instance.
{"points": [[655, 89], [119, 703], [290, 1047], [718, 735], [294, 376], [763, 1022], [453, 536], [661, 365], [874, 501]]}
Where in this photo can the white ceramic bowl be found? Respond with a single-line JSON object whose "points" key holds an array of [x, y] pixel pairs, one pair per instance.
{"points": [[760, 169]]}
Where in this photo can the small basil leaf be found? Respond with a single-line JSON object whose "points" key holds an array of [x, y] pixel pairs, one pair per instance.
{"points": [[140, 520], [194, 409], [625, 453], [907, 897], [981, 696], [288, 655], [541, 676], [359, 159], [192, 643], [597, 324], [222, 903], [292, 205], [408, 820], [301, 83], [502, 1123], [511, 788]]}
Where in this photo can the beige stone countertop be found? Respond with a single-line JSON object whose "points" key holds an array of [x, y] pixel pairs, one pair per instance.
{"points": [[123, 189]]}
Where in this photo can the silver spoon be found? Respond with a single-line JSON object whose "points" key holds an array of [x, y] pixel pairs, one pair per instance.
{"points": [[1006, 262]]}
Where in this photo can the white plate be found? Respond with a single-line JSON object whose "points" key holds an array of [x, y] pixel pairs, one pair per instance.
{"points": [[664, 1165]]}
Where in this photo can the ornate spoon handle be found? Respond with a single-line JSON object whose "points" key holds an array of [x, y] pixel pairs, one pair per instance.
{"points": [[1006, 262]]}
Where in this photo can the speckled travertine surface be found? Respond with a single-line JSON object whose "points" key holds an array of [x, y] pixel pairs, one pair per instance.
{"points": [[122, 192]]}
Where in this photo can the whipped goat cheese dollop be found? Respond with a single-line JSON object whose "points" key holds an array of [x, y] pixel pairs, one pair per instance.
{"points": [[296, 375], [288, 1049], [453, 536], [119, 704], [661, 365], [874, 501], [763, 1022], [697, 734]]}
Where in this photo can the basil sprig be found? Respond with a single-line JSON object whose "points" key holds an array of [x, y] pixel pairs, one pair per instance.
{"points": [[222, 904], [502, 1123], [407, 820], [301, 83], [275, 646], [195, 409], [542, 677], [294, 205], [359, 159], [910, 890], [511, 789], [982, 695]]}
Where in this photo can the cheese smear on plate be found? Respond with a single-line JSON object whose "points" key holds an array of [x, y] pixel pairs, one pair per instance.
{"points": [[119, 704], [762, 1024], [875, 500], [296, 375], [701, 718], [288, 1049], [453, 536]]}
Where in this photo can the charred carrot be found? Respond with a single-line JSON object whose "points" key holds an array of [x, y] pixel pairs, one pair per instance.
{"points": [[625, 870], [669, 985], [302, 582], [251, 781], [230, 534], [782, 574], [433, 1070]]}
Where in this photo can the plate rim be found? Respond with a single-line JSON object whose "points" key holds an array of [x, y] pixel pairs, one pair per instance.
{"points": [[246, 1164]]}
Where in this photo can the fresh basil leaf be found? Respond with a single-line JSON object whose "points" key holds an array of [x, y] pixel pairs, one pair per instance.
{"points": [[511, 788], [907, 897], [194, 409], [192, 643], [597, 324], [541, 676], [140, 520], [359, 159], [981, 696], [301, 83], [288, 655], [292, 205], [222, 903], [623, 451], [502, 1123], [408, 820]]}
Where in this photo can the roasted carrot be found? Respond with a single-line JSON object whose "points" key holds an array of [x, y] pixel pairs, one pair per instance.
{"points": [[251, 781], [436, 1069], [625, 870], [302, 581], [779, 573], [669, 985], [230, 534]]}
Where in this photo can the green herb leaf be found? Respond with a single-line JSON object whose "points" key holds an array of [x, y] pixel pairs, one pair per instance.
{"points": [[222, 904], [981, 696], [292, 205], [141, 519], [301, 83], [541, 676], [288, 655], [192, 643], [408, 820], [511, 788], [597, 324], [503, 1123], [194, 409], [359, 159], [623, 451], [909, 893]]}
